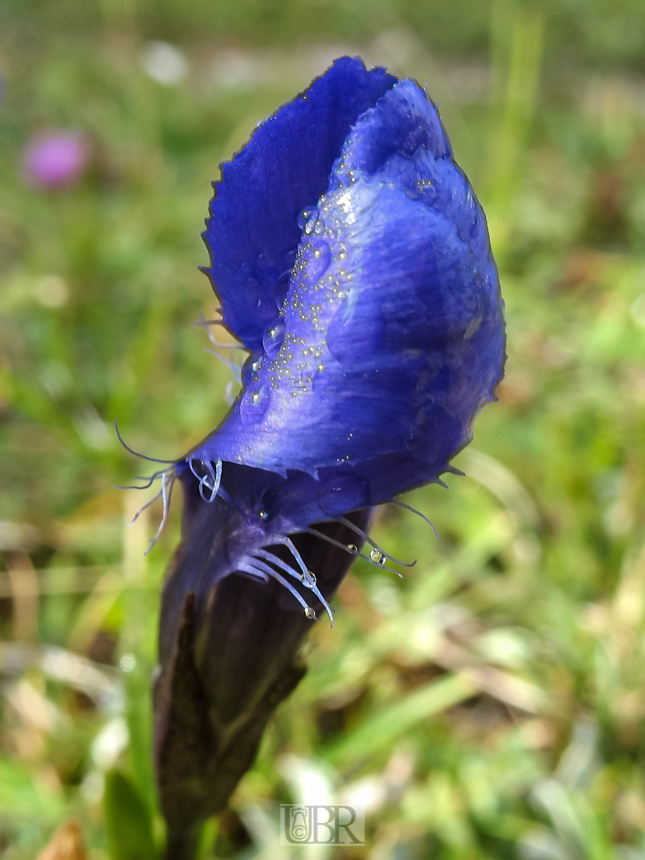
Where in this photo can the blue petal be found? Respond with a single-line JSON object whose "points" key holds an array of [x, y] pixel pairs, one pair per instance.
{"points": [[253, 231], [404, 122], [391, 336]]}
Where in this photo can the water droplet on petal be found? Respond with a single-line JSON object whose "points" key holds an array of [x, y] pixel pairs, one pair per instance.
{"points": [[322, 379], [318, 260], [310, 613], [273, 337], [253, 405], [304, 217], [352, 548]]}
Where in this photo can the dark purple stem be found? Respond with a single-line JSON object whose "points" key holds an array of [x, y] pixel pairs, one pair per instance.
{"points": [[230, 660]]}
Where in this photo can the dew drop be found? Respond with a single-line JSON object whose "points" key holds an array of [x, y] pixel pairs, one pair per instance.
{"points": [[309, 580], [321, 380], [377, 557], [273, 336], [254, 404], [310, 613], [303, 217], [351, 547], [319, 260], [263, 514]]}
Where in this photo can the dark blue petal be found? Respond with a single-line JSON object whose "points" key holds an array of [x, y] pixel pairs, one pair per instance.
{"points": [[253, 231], [268, 507], [391, 337], [403, 123]]}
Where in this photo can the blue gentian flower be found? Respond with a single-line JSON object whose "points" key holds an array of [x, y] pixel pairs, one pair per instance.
{"points": [[352, 261], [384, 336]]}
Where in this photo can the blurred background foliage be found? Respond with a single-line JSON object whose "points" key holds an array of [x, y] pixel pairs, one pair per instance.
{"points": [[492, 703]]}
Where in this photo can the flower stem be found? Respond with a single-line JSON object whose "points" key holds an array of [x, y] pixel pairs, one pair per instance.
{"points": [[182, 845]]}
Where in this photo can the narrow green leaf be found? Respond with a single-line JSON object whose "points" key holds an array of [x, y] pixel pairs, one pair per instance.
{"points": [[127, 820], [383, 729]]}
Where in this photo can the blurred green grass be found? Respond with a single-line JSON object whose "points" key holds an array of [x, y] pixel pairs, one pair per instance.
{"points": [[492, 703]]}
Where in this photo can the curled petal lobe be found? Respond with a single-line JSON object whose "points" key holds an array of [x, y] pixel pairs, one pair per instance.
{"points": [[252, 233], [402, 123]]}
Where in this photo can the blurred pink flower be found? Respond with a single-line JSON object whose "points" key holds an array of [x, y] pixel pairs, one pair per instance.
{"points": [[55, 159]]}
